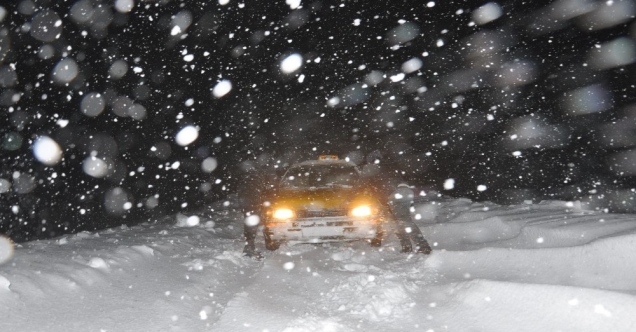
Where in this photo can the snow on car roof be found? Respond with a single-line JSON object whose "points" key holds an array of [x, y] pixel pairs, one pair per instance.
{"points": [[325, 162]]}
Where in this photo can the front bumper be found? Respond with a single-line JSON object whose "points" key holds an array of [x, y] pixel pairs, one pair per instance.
{"points": [[323, 229]]}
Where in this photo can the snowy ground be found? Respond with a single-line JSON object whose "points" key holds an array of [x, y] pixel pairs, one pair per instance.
{"points": [[542, 267]]}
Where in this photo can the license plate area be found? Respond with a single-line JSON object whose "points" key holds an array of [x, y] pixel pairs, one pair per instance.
{"points": [[322, 222]]}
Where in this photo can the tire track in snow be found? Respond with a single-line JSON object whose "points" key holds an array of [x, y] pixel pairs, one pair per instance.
{"points": [[346, 287]]}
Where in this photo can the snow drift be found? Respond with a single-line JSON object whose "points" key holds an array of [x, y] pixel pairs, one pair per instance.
{"points": [[549, 266]]}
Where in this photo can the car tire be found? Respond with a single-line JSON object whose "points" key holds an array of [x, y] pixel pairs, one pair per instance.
{"points": [[377, 240], [270, 244]]}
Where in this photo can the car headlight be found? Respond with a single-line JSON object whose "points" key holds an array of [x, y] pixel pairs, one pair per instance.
{"points": [[283, 214], [361, 211]]}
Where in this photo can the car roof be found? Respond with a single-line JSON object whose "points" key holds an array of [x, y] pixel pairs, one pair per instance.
{"points": [[324, 162]]}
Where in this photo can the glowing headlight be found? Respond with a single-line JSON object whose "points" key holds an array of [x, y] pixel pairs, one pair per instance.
{"points": [[361, 211], [283, 214]]}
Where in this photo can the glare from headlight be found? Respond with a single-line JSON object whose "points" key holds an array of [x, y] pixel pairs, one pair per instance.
{"points": [[283, 214], [361, 211]]}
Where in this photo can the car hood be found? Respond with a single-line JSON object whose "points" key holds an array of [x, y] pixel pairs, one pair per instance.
{"points": [[322, 198], [314, 199]]}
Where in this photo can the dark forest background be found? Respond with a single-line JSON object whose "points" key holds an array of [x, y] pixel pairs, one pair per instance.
{"points": [[512, 100]]}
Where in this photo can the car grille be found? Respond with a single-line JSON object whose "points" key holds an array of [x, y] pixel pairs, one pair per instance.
{"points": [[321, 213]]}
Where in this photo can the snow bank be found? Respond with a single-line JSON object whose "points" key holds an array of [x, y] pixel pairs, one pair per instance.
{"points": [[601, 264], [482, 305], [542, 267]]}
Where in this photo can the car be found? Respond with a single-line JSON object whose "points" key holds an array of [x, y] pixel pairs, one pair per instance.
{"points": [[324, 200]]}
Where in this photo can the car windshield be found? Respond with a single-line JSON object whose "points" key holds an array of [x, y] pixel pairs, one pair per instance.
{"points": [[320, 176]]}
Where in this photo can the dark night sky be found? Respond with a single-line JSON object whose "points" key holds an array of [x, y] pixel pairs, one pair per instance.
{"points": [[533, 104]]}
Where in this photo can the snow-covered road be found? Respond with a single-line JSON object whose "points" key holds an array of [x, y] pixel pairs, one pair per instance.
{"points": [[542, 267]]}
